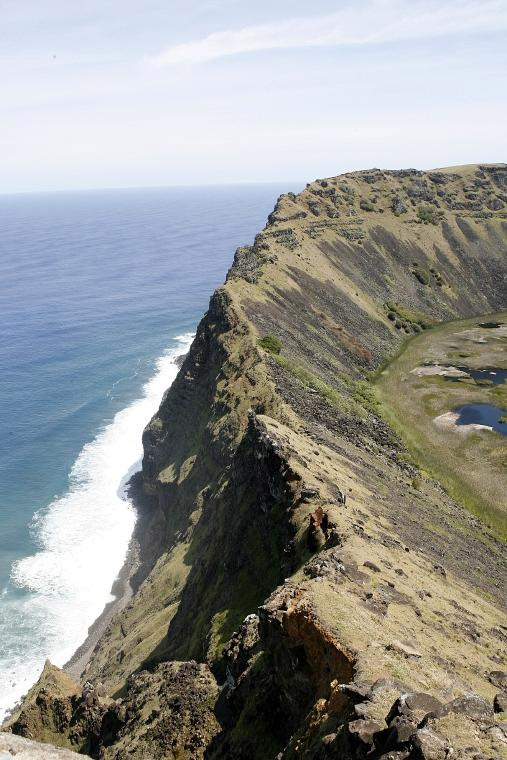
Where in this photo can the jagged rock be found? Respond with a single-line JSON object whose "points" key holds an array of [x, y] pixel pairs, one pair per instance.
{"points": [[404, 173], [438, 178], [471, 705], [326, 565], [398, 207], [364, 730], [317, 529], [308, 493], [341, 498], [286, 237], [247, 263], [165, 714], [420, 191], [414, 705], [500, 702], [25, 749], [357, 691], [333, 537], [498, 678], [372, 566], [350, 571], [497, 733], [430, 746], [242, 645], [401, 728], [362, 709], [57, 710]]}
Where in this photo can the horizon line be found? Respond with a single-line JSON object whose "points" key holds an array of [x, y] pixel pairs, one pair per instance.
{"points": [[108, 188]]}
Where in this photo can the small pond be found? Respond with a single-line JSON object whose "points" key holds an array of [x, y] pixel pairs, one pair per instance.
{"points": [[491, 325], [493, 375], [482, 414]]}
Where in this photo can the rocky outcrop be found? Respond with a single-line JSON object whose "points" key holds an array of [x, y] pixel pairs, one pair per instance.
{"points": [[305, 591], [164, 714], [59, 711], [24, 749]]}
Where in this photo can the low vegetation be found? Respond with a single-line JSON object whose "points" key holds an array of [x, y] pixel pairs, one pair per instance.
{"points": [[428, 215], [422, 275], [271, 344], [407, 319], [346, 404]]}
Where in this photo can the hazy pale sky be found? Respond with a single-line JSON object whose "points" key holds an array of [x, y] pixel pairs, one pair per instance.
{"points": [[119, 93]]}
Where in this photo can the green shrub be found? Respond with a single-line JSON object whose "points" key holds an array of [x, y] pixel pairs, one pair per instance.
{"points": [[271, 344], [428, 215], [404, 315], [364, 394], [423, 276], [366, 205]]}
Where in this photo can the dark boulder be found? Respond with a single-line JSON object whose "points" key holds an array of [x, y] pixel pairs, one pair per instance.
{"points": [[363, 730], [429, 746]]}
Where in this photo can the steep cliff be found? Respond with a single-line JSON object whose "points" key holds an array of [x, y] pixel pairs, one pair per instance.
{"points": [[305, 591]]}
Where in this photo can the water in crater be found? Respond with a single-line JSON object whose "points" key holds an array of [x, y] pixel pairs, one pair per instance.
{"points": [[483, 414], [494, 375]]}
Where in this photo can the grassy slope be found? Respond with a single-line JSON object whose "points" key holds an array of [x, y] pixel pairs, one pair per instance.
{"points": [[323, 285], [324, 278]]}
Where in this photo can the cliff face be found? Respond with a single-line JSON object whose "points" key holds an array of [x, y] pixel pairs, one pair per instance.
{"points": [[298, 582]]}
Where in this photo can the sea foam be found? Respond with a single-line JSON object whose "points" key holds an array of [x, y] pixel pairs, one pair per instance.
{"points": [[83, 538]]}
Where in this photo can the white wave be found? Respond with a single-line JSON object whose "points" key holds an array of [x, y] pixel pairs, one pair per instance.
{"points": [[83, 538]]}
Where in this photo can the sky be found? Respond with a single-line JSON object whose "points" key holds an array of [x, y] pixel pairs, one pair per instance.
{"points": [[123, 93]]}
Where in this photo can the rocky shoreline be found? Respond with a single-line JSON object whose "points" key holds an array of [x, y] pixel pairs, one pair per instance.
{"points": [[137, 560], [122, 592]]}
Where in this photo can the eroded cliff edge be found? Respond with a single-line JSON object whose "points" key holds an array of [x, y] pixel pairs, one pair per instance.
{"points": [[305, 592]]}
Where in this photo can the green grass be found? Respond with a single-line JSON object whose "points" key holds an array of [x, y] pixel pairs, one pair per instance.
{"points": [[363, 392], [408, 315], [428, 214], [271, 344]]}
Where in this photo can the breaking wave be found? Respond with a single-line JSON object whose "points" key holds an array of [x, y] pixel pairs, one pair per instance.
{"points": [[83, 538]]}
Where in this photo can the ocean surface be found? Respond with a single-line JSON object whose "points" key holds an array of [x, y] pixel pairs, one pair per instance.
{"points": [[99, 292]]}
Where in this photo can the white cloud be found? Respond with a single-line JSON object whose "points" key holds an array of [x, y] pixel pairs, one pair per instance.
{"points": [[363, 23]]}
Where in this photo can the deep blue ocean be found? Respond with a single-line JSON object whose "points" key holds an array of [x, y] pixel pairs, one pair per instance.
{"points": [[99, 292]]}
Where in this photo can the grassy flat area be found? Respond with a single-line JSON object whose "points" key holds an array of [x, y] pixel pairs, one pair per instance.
{"points": [[471, 462]]}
